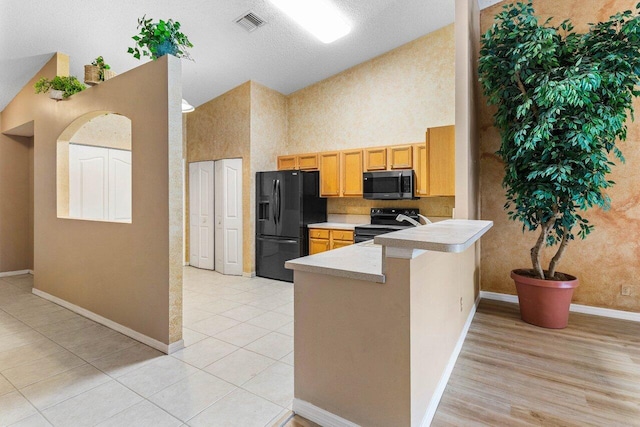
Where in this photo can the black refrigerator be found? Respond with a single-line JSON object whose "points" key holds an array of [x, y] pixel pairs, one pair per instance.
{"points": [[286, 202]]}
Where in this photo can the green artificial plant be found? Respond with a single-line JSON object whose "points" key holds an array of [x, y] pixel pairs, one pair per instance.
{"points": [[562, 100], [157, 39], [99, 62], [69, 85]]}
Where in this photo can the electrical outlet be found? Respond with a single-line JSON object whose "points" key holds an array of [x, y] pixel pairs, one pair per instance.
{"points": [[625, 290]]}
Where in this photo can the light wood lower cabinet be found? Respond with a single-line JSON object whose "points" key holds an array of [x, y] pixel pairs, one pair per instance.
{"points": [[323, 239], [318, 245]]}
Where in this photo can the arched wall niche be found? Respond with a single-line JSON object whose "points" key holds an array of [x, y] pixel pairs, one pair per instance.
{"points": [[106, 137]]}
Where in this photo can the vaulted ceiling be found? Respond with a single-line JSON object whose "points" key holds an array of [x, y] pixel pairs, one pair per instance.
{"points": [[280, 55]]}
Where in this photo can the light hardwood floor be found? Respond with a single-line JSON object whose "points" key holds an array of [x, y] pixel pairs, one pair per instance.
{"points": [[510, 373]]}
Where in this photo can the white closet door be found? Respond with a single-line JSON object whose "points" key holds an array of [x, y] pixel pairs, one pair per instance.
{"points": [[88, 182], [201, 226], [228, 208], [119, 185]]}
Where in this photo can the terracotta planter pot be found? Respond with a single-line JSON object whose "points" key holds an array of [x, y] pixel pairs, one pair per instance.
{"points": [[544, 303]]}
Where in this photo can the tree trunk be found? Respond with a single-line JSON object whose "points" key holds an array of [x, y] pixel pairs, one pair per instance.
{"points": [[556, 258], [535, 251]]}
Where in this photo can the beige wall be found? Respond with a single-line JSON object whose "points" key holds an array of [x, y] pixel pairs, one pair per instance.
{"points": [[221, 129], [390, 99], [16, 203], [268, 136], [248, 122], [126, 273], [105, 130], [610, 256]]}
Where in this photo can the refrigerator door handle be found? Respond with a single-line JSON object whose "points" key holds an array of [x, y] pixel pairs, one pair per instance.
{"points": [[275, 202], [278, 198], [262, 239]]}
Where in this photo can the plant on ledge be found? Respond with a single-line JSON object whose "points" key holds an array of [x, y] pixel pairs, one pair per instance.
{"points": [[562, 100], [158, 39], [65, 86], [99, 62]]}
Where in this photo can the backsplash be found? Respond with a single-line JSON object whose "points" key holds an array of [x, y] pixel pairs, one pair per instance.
{"points": [[429, 206]]}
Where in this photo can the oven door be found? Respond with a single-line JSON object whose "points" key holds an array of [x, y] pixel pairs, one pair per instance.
{"points": [[388, 185]]}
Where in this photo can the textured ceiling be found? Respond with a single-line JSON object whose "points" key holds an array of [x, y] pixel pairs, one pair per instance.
{"points": [[279, 55]]}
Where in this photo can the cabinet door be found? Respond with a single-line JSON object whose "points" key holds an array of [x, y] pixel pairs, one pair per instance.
{"points": [[287, 162], [308, 161], [340, 244], [420, 165], [400, 157], [318, 245], [344, 235], [375, 159], [442, 160], [330, 174], [352, 173]]}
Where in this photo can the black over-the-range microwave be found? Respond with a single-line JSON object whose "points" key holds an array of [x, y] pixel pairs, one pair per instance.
{"points": [[389, 185]]}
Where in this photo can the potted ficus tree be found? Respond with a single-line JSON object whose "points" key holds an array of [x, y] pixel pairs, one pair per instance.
{"points": [[157, 39], [562, 101]]}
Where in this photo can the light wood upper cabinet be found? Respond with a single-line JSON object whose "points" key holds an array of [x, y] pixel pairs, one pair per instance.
{"points": [[351, 174], [330, 174], [308, 161], [441, 157], [300, 161], [421, 167], [375, 159], [287, 162], [400, 157]]}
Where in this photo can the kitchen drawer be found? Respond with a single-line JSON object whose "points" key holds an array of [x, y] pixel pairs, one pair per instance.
{"points": [[342, 235], [318, 233]]}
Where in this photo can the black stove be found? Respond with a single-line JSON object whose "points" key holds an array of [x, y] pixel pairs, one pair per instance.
{"points": [[383, 220]]}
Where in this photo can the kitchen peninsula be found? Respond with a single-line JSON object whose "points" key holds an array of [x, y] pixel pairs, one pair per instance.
{"points": [[378, 325]]}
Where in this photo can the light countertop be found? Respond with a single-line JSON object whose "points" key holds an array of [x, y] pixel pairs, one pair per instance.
{"points": [[363, 261], [360, 261], [334, 225], [452, 235]]}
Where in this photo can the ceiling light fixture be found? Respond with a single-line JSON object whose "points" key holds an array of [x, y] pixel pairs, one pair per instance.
{"points": [[186, 107], [320, 17]]}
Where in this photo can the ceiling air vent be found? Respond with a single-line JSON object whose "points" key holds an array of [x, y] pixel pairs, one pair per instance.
{"points": [[250, 21]]}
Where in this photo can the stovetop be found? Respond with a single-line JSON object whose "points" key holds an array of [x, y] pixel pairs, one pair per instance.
{"points": [[383, 220]]}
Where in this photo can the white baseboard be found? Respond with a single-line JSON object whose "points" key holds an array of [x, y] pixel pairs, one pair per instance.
{"points": [[319, 415], [444, 379], [15, 273], [576, 308], [249, 275], [151, 342]]}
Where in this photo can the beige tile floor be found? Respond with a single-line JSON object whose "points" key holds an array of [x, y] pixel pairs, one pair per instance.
{"points": [[58, 368]]}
